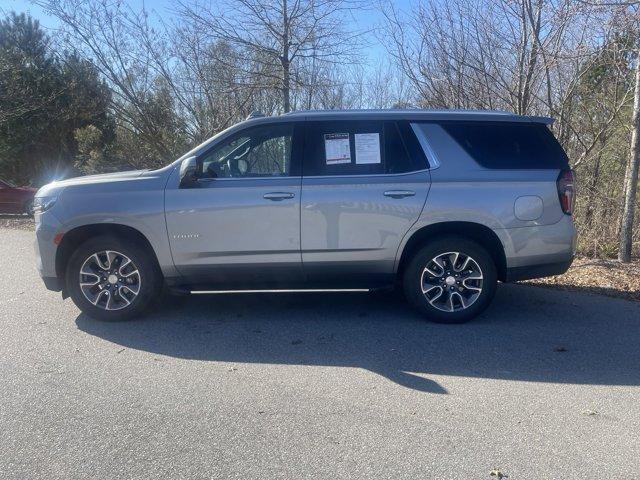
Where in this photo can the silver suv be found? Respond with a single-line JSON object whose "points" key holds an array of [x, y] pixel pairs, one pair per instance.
{"points": [[441, 203]]}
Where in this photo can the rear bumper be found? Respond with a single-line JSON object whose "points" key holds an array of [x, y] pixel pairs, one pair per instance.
{"points": [[537, 271], [539, 251]]}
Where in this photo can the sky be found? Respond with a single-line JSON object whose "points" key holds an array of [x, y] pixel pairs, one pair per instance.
{"points": [[364, 20]]}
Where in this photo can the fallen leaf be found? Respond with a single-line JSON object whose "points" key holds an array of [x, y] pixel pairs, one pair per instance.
{"points": [[497, 473]]}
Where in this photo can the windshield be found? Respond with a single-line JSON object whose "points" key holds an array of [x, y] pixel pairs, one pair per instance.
{"points": [[199, 148]]}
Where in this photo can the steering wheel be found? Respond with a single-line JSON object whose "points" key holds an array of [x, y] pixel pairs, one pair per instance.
{"points": [[215, 170], [233, 163]]}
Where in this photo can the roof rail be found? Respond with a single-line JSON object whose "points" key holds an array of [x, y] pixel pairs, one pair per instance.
{"points": [[398, 110], [255, 114]]}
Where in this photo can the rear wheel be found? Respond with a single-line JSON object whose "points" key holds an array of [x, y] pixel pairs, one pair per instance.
{"points": [[112, 280], [450, 280]]}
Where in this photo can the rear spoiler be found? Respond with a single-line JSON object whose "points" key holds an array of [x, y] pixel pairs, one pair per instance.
{"points": [[545, 120]]}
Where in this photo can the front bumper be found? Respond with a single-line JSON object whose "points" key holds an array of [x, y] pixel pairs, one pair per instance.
{"points": [[52, 283], [47, 226]]}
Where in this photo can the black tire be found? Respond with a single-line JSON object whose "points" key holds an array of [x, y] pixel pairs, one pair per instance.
{"points": [[412, 279], [149, 275]]}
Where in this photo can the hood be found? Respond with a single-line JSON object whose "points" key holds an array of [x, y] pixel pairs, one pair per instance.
{"points": [[102, 177], [56, 186]]}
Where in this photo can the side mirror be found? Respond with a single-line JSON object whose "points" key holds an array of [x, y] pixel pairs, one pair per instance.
{"points": [[188, 173]]}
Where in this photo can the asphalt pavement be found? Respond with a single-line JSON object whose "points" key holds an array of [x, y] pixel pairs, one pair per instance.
{"points": [[544, 385]]}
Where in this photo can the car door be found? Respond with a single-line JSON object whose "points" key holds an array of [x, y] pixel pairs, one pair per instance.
{"points": [[362, 189], [8, 203], [239, 223]]}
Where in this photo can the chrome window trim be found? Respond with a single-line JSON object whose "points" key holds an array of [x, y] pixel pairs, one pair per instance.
{"points": [[377, 175], [367, 175], [223, 179], [432, 158]]}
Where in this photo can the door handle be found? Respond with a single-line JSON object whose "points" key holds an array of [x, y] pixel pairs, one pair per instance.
{"points": [[399, 193], [277, 196]]}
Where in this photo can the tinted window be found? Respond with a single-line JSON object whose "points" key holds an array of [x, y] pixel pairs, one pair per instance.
{"points": [[357, 148], [415, 159], [508, 145], [263, 151]]}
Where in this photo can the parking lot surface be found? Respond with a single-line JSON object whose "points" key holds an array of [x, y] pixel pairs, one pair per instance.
{"points": [[544, 385]]}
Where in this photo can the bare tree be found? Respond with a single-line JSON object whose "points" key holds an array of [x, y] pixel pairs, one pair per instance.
{"points": [[279, 40], [105, 32], [630, 13], [631, 175], [516, 55]]}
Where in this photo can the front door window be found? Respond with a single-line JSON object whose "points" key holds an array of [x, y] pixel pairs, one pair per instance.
{"points": [[263, 151]]}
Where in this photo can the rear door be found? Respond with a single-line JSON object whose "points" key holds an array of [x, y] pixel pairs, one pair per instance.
{"points": [[240, 224], [363, 187]]}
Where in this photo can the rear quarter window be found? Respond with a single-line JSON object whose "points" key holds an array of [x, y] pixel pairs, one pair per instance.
{"points": [[503, 145]]}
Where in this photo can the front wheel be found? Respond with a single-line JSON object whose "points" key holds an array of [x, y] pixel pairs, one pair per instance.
{"points": [[450, 280], [110, 279]]}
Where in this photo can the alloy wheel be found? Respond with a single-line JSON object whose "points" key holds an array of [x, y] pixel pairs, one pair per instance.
{"points": [[109, 280], [451, 281]]}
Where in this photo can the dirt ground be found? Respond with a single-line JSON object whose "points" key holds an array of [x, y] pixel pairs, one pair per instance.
{"points": [[17, 222], [603, 277]]}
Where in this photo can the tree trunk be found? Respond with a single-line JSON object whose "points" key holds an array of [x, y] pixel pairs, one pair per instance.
{"points": [[286, 86], [285, 60], [631, 176]]}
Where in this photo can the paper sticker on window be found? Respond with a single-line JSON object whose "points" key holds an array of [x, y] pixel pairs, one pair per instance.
{"points": [[367, 148], [337, 148]]}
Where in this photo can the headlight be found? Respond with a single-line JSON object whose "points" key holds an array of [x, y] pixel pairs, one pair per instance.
{"points": [[42, 204]]}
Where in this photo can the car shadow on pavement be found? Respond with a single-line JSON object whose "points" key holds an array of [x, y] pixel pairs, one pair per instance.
{"points": [[528, 334]]}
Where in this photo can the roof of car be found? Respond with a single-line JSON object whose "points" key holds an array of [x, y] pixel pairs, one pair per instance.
{"points": [[414, 114]]}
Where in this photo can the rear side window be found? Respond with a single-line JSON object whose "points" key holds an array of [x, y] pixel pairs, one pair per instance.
{"points": [[502, 145], [404, 153], [359, 148]]}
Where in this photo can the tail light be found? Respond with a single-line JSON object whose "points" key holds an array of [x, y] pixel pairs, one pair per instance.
{"points": [[566, 190]]}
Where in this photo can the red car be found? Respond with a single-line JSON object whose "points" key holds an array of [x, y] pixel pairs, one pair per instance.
{"points": [[16, 199]]}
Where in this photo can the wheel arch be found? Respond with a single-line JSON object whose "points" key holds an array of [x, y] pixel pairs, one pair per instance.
{"points": [[73, 238], [477, 232]]}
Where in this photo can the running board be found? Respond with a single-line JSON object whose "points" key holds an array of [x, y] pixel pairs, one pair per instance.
{"points": [[291, 290], [216, 290]]}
